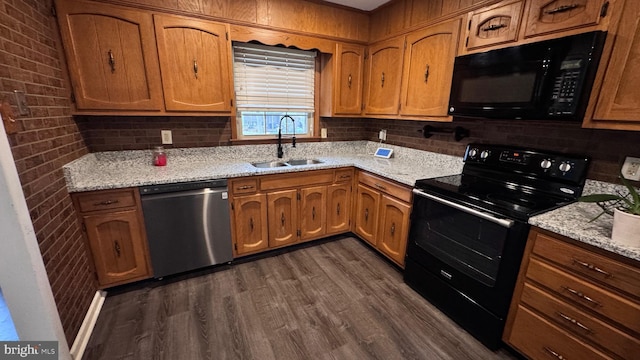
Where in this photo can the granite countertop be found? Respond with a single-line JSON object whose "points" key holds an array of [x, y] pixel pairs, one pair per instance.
{"points": [[573, 221]]}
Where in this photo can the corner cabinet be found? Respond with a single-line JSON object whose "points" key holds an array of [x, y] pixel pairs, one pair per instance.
{"points": [[114, 228], [383, 209], [342, 81], [574, 301], [112, 56], [195, 60]]}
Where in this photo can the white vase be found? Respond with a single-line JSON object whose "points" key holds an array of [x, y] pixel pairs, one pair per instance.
{"points": [[626, 229]]}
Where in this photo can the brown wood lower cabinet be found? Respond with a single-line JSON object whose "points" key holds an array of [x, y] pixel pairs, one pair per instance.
{"points": [[114, 229], [382, 215], [278, 210], [574, 302]]}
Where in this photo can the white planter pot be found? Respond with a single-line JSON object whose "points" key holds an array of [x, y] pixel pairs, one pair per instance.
{"points": [[626, 229]]}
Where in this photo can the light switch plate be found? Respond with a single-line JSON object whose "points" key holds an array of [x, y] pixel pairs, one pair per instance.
{"points": [[167, 138], [323, 133], [631, 168], [382, 135]]}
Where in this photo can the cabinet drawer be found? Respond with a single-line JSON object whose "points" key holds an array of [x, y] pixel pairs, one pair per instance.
{"points": [[579, 323], [343, 175], [244, 186], [291, 180], [386, 186], [591, 265], [106, 200], [558, 15], [539, 339], [572, 288]]}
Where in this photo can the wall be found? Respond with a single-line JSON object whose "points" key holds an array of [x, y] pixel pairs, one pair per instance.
{"points": [[48, 138]]}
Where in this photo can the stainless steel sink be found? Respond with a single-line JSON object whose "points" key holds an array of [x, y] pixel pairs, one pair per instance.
{"points": [[303, 162], [270, 164], [295, 162]]}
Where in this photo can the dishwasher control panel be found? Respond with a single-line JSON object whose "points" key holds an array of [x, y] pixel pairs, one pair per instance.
{"points": [[186, 186]]}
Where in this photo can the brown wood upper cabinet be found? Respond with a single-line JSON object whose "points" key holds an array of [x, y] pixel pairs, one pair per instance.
{"points": [[342, 77], [195, 60], [410, 76], [112, 57], [544, 16], [494, 25]]}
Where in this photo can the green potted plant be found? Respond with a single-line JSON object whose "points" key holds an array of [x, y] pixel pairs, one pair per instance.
{"points": [[625, 209]]}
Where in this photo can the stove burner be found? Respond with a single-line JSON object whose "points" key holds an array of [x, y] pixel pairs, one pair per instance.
{"points": [[511, 200]]}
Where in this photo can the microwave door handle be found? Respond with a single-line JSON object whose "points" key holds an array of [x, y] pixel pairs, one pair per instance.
{"points": [[502, 222]]}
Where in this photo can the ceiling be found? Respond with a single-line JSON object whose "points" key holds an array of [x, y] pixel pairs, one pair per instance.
{"points": [[366, 5]]}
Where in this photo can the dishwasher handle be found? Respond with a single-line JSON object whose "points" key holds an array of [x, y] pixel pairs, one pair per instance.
{"points": [[183, 187]]}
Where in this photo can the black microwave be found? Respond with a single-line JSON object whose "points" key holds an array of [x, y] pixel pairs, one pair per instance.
{"points": [[545, 80]]}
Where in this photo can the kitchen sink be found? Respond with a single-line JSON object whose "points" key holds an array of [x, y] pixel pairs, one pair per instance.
{"points": [[270, 164], [295, 162], [303, 162]]}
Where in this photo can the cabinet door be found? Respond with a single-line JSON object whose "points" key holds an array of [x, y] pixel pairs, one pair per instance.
{"points": [[494, 25], [250, 223], [367, 202], [619, 97], [195, 62], [546, 16], [349, 68], [283, 217], [112, 57], [384, 72], [338, 208], [118, 247], [428, 69], [313, 212], [394, 228]]}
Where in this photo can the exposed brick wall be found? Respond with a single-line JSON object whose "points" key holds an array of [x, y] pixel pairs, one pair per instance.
{"points": [[47, 139]]}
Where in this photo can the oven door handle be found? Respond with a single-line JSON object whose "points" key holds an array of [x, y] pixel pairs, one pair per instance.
{"points": [[502, 222]]}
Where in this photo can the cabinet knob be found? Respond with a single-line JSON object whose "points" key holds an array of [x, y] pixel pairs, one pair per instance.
{"points": [[561, 9], [366, 215], [251, 224], [282, 219], [338, 209], [112, 61], [382, 80], [349, 81], [195, 68], [393, 228], [116, 247], [426, 73]]}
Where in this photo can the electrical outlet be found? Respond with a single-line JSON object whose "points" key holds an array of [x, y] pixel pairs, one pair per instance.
{"points": [[167, 138], [383, 135], [631, 168], [323, 133]]}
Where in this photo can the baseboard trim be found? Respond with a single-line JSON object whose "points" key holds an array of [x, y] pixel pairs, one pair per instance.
{"points": [[84, 334]]}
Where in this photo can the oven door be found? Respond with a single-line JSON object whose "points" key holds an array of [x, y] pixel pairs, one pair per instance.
{"points": [[472, 251]]}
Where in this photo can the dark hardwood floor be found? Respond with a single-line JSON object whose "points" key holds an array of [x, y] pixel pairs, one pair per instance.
{"points": [[335, 300]]}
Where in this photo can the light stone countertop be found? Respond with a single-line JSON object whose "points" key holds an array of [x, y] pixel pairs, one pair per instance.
{"points": [[573, 221]]}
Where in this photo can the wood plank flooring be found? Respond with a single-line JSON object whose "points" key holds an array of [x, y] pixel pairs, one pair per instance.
{"points": [[335, 300]]}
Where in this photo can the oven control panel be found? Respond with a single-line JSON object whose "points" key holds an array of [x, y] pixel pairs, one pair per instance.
{"points": [[541, 164]]}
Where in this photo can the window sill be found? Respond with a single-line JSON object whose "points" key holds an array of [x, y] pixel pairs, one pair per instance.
{"points": [[285, 140]]}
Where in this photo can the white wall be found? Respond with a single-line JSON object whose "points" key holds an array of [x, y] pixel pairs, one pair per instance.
{"points": [[23, 278]]}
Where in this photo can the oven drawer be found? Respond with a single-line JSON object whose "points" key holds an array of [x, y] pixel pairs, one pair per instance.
{"points": [[590, 296], [579, 323], [540, 339], [589, 264]]}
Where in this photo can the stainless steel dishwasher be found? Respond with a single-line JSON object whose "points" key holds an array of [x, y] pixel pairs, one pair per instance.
{"points": [[188, 225]]}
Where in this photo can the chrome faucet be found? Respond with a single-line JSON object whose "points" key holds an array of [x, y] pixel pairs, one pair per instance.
{"points": [[293, 139]]}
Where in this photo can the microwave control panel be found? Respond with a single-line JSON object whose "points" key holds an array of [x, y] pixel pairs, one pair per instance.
{"points": [[565, 88]]}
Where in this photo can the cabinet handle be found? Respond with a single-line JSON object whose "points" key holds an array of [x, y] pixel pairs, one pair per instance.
{"points": [[591, 267], [345, 176], [338, 209], [366, 215], [116, 247], [106, 203], [245, 187], [195, 68], [494, 27], [393, 228], [561, 9], [382, 79], [112, 61], [381, 187], [349, 81], [251, 224], [574, 322], [426, 73], [282, 219], [313, 213], [581, 295], [555, 354]]}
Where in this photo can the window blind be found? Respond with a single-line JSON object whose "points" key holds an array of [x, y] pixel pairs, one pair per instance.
{"points": [[270, 78]]}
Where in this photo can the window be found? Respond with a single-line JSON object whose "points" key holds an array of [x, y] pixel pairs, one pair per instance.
{"points": [[271, 82]]}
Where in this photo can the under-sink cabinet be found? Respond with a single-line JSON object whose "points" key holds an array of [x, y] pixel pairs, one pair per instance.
{"points": [[572, 301], [273, 211], [382, 213], [114, 230]]}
